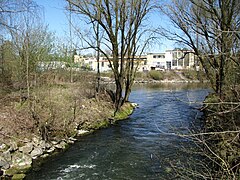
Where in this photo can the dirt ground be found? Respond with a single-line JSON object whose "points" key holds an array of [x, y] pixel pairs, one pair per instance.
{"points": [[54, 111]]}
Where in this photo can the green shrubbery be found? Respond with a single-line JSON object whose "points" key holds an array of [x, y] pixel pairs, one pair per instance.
{"points": [[156, 75], [193, 74]]}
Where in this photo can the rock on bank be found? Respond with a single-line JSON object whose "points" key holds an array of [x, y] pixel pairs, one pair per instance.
{"points": [[19, 155]]}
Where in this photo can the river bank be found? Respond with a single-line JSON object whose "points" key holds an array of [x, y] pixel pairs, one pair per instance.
{"points": [[37, 128], [155, 77], [222, 134], [141, 147], [55, 114]]}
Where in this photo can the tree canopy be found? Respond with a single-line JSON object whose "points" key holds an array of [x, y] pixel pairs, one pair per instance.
{"points": [[121, 27]]}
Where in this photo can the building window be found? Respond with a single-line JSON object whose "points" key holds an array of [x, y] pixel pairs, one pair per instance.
{"points": [[168, 64], [102, 64], [174, 62], [154, 56], [179, 54], [180, 62], [174, 55], [161, 56]]}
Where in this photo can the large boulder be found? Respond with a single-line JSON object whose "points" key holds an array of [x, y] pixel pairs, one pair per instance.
{"points": [[36, 141], [37, 151], [13, 146], [54, 142], [48, 145], [4, 164], [27, 148], [7, 156], [3, 147], [61, 145], [18, 176], [17, 170], [51, 150], [21, 159]]}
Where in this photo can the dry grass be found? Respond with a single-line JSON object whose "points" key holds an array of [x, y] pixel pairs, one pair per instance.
{"points": [[53, 111]]}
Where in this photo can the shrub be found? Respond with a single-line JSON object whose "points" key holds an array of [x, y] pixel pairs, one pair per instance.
{"points": [[156, 75]]}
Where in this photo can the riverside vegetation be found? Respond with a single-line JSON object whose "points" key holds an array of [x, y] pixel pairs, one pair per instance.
{"points": [[55, 113], [46, 109], [49, 120], [221, 134]]}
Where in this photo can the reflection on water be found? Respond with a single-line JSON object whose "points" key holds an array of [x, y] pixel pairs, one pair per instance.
{"points": [[141, 147], [171, 86]]}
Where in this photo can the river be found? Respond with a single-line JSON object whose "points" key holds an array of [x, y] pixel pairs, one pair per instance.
{"points": [[145, 146]]}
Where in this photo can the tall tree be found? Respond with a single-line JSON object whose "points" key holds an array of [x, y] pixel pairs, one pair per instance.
{"points": [[30, 39], [121, 23], [211, 29]]}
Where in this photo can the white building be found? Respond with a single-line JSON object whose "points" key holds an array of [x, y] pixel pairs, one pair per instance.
{"points": [[170, 59], [156, 61], [91, 63], [104, 65]]}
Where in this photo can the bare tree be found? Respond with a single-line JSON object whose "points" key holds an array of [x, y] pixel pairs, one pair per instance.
{"points": [[121, 22], [30, 39], [9, 10], [24, 38], [211, 29]]}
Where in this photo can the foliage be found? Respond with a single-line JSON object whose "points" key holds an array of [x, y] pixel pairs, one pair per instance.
{"points": [[222, 119], [156, 75], [125, 111], [193, 74]]}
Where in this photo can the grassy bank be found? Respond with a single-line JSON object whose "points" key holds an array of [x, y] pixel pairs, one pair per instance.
{"points": [[56, 111], [168, 75], [221, 137], [171, 75], [48, 120]]}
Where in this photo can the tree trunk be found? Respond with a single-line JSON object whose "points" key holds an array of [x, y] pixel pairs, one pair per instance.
{"points": [[118, 94]]}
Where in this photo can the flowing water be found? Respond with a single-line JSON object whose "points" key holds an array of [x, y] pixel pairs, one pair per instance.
{"points": [[141, 147]]}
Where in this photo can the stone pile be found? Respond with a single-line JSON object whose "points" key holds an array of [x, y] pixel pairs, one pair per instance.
{"points": [[16, 158]]}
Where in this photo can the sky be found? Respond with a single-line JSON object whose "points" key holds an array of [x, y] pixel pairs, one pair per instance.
{"points": [[55, 16]]}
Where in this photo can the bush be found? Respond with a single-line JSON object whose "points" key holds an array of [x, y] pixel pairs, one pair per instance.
{"points": [[156, 75], [141, 75], [193, 74], [190, 74]]}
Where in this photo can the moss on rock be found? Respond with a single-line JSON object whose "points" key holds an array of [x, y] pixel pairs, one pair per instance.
{"points": [[18, 176], [125, 111], [18, 170], [101, 124]]}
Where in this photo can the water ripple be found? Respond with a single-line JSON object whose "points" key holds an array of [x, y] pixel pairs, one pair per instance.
{"points": [[138, 148]]}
